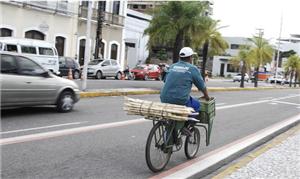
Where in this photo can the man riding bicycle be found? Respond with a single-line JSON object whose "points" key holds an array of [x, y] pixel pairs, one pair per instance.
{"points": [[178, 84]]}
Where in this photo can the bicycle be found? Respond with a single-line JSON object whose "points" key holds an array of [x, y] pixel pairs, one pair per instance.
{"points": [[165, 139]]}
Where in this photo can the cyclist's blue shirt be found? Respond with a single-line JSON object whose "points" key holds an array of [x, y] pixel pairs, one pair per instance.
{"points": [[179, 81]]}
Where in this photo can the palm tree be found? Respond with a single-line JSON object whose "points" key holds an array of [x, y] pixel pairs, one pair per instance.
{"points": [[242, 58], [261, 53], [171, 24], [207, 35], [293, 65]]}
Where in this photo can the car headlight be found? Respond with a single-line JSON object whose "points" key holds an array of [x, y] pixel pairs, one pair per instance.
{"points": [[91, 70]]}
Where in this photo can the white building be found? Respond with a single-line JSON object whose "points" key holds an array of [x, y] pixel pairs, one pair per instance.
{"points": [[221, 66], [135, 41], [64, 23]]}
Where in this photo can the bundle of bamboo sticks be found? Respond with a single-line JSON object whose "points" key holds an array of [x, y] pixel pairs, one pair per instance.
{"points": [[156, 110]]}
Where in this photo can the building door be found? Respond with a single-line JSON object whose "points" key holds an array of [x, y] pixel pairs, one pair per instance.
{"points": [[60, 45], [222, 69], [81, 51]]}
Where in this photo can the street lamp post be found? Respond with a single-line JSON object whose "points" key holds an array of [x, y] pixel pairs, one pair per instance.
{"points": [[278, 50]]}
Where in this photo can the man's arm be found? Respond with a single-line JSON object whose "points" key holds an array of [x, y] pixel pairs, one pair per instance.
{"points": [[199, 83]]}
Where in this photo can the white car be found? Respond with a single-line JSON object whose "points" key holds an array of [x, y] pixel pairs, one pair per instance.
{"points": [[102, 68], [279, 79], [238, 77]]}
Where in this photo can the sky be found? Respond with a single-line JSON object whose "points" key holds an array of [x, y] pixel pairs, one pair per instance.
{"points": [[242, 18]]}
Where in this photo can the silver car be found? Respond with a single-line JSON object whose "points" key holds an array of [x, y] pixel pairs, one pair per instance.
{"points": [[100, 69], [26, 83]]}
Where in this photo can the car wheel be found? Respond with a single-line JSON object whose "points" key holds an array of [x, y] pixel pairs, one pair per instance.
{"points": [[99, 75], [119, 76], [146, 77], [65, 102], [76, 74]]}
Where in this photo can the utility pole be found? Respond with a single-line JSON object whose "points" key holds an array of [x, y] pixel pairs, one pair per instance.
{"points": [[278, 50], [87, 52], [99, 29]]}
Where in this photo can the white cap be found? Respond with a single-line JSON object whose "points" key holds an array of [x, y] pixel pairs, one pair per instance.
{"points": [[186, 52]]}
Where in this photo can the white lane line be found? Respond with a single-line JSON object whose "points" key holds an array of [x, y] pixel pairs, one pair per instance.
{"points": [[283, 102], [266, 98], [273, 103], [44, 127], [220, 104], [254, 102], [47, 135]]}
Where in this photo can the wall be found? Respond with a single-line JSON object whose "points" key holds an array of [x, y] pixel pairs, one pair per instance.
{"points": [[134, 30]]}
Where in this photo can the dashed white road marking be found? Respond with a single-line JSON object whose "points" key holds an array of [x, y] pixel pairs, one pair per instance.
{"points": [[273, 103], [283, 102], [44, 127]]}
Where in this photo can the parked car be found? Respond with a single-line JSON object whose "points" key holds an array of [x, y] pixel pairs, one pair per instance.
{"points": [[238, 77], [146, 72], [279, 79], [67, 63], [101, 68], [40, 51], [26, 83]]}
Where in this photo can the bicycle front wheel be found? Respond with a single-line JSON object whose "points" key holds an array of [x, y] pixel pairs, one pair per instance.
{"points": [[157, 152], [192, 143]]}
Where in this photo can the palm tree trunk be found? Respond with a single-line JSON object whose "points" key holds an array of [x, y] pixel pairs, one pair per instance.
{"points": [[177, 46], [256, 77], [291, 78], [204, 57], [296, 78], [243, 75]]}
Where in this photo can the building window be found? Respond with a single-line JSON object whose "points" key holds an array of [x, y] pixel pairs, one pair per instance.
{"points": [[85, 3], [232, 69], [103, 5], [135, 6], [143, 6], [234, 46], [34, 34], [4, 32], [114, 51], [60, 45], [116, 7]]}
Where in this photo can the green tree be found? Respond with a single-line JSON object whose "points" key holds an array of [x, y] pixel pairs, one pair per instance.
{"points": [[261, 53], [172, 22], [292, 66], [243, 58], [206, 34]]}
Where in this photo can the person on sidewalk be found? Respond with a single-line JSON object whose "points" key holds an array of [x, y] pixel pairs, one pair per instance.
{"points": [[178, 84]]}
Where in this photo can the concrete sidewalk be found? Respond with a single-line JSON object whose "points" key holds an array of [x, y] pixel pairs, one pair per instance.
{"points": [[279, 158], [141, 91]]}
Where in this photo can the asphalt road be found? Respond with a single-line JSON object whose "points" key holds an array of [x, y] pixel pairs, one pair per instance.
{"points": [[117, 151], [110, 83]]}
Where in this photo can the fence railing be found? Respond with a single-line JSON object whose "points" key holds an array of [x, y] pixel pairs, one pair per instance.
{"points": [[108, 17]]}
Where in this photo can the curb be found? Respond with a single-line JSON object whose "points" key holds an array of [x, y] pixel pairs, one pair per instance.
{"points": [[122, 92], [210, 162]]}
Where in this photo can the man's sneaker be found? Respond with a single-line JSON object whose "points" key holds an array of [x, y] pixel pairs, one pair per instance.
{"points": [[185, 131]]}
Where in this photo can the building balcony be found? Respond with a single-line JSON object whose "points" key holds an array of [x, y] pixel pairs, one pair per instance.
{"points": [[109, 18], [60, 7]]}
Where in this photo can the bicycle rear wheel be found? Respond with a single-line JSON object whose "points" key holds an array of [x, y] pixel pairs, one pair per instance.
{"points": [[192, 143], [157, 152]]}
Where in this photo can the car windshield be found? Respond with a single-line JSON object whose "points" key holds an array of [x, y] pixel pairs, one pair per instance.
{"points": [[139, 67], [95, 62]]}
